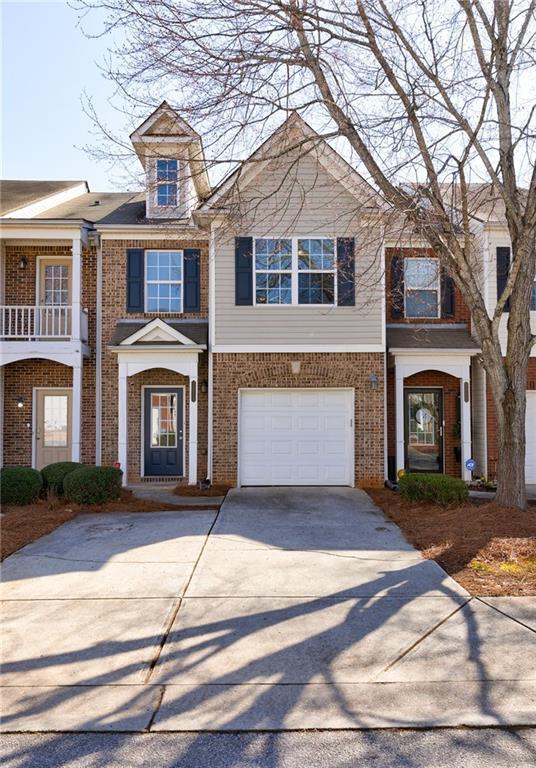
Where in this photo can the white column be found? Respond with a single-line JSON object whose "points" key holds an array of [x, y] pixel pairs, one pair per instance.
{"points": [[192, 432], [465, 415], [399, 404], [76, 417], [76, 287], [122, 435]]}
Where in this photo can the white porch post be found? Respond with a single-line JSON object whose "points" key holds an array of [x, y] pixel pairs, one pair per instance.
{"points": [[76, 289], [76, 417], [399, 403], [465, 417], [192, 435], [122, 435]]}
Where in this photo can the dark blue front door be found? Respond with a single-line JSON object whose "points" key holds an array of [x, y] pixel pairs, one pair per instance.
{"points": [[162, 429]]}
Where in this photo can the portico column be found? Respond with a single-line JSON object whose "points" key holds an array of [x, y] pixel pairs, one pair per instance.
{"points": [[122, 413], [399, 403], [465, 417], [192, 434], [76, 417], [76, 289]]}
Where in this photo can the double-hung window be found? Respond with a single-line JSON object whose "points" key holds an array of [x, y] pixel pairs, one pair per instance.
{"points": [[163, 281], [421, 287], [167, 178], [295, 271]]}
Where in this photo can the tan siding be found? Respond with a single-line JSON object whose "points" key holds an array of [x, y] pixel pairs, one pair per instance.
{"points": [[301, 201]]}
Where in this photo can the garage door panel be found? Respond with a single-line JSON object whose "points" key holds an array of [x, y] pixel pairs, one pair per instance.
{"points": [[296, 437]]}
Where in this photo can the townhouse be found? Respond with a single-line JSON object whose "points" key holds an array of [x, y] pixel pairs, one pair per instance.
{"points": [[274, 330]]}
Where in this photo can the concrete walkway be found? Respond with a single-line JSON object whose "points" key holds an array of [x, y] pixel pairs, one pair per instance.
{"points": [[290, 609]]}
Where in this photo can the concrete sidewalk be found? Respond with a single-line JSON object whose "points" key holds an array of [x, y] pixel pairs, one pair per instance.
{"points": [[290, 609]]}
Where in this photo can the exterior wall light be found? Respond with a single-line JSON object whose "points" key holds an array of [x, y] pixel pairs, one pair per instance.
{"points": [[204, 387], [20, 402], [373, 381], [23, 262], [295, 366]]}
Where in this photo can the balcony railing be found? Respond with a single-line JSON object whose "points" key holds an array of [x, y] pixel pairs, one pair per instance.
{"points": [[43, 323]]}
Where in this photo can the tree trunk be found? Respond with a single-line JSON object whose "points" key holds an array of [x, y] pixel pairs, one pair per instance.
{"points": [[511, 490]]}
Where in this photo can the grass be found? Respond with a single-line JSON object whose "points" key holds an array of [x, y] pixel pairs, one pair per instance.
{"points": [[21, 525], [488, 549]]}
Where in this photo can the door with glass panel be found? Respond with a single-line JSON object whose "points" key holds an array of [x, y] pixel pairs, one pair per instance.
{"points": [[53, 426], [424, 430], [54, 311], [163, 438]]}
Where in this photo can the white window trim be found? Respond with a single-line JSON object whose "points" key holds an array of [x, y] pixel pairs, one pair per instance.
{"points": [[428, 288], [162, 282], [157, 183], [294, 272]]}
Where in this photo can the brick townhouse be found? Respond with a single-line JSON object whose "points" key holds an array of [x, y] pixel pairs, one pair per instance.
{"points": [[277, 329]]}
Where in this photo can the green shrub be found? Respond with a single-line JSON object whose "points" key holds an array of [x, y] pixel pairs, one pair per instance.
{"points": [[55, 474], [19, 485], [92, 485], [441, 489]]}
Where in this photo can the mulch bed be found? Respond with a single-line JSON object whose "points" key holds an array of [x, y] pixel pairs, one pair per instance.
{"points": [[488, 549], [21, 525], [193, 490]]}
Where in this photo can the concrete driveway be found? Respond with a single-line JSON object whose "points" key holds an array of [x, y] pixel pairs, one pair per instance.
{"points": [[290, 609]]}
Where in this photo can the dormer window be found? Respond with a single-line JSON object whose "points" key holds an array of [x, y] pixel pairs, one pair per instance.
{"points": [[167, 179]]}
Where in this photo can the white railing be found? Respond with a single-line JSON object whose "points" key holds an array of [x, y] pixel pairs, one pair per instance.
{"points": [[40, 322]]}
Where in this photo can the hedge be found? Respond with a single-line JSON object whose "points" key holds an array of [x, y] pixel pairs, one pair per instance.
{"points": [[92, 485], [55, 474], [19, 485], [441, 489]]}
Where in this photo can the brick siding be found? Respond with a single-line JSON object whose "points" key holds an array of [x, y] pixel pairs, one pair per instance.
{"points": [[233, 371]]}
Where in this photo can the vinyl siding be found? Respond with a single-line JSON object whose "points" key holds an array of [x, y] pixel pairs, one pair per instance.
{"points": [[291, 200]]}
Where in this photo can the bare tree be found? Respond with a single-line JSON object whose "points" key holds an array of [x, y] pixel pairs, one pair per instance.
{"points": [[434, 100]]}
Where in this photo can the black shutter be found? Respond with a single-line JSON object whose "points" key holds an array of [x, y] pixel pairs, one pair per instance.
{"points": [[503, 268], [191, 280], [243, 271], [447, 294], [345, 271], [397, 285], [135, 279]]}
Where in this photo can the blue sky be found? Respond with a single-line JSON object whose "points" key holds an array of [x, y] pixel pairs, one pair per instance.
{"points": [[47, 63]]}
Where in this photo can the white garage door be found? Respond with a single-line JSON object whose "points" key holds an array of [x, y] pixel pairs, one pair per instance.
{"points": [[296, 437], [530, 463]]}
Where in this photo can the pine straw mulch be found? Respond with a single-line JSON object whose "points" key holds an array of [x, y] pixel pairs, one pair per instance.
{"points": [[21, 525], [194, 490], [488, 549]]}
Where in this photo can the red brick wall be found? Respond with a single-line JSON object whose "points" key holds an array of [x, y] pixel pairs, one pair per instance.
{"points": [[19, 380], [233, 371], [461, 313], [492, 421], [114, 257], [451, 389]]}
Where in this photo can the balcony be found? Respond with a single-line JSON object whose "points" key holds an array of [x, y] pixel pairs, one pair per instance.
{"points": [[42, 323]]}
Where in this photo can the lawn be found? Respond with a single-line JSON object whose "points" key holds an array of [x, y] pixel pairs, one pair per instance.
{"points": [[21, 525], [489, 550]]}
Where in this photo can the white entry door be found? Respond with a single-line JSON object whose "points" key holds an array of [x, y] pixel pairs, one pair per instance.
{"points": [[296, 437], [530, 460], [53, 426]]}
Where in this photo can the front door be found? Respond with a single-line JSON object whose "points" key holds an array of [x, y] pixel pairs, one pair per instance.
{"points": [[163, 440], [54, 298], [53, 426], [424, 430]]}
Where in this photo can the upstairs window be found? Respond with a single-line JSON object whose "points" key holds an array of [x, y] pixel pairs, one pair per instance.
{"points": [[533, 297], [316, 271], [421, 287], [167, 177], [273, 271], [163, 281]]}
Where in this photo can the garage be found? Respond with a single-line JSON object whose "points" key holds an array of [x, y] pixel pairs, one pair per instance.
{"points": [[530, 460], [296, 437]]}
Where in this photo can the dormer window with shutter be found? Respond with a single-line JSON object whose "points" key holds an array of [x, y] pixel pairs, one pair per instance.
{"points": [[167, 183]]}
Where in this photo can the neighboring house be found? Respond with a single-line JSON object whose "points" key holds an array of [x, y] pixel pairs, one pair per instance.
{"points": [[275, 330]]}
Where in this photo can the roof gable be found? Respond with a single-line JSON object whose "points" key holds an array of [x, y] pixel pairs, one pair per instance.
{"points": [[157, 331]]}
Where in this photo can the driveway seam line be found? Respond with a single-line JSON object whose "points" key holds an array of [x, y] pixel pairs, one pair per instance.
{"points": [[157, 708], [512, 618], [420, 640], [167, 628]]}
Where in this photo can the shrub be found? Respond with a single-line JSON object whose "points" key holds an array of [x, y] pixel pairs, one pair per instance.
{"points": [[19, 485], [441, 489], [92, 485], [55, 474]]}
